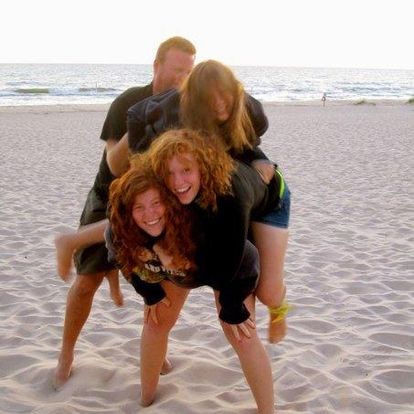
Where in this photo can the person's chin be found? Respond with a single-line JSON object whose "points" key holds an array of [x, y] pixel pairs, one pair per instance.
{"points": [[154, 233], [184, 200]]}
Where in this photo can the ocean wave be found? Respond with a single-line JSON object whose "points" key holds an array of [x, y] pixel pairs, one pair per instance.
{"points": [[32, 90], [66, 84]]}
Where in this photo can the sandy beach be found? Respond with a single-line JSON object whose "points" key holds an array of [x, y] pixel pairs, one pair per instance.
{"points": [[349, 272]]}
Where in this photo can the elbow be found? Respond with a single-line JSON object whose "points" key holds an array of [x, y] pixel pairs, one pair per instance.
{"points": [[111, 164], [115, 167]]}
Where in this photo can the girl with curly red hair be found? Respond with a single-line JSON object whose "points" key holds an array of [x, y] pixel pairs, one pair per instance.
{"points": [[224, 195], [151, 238]]}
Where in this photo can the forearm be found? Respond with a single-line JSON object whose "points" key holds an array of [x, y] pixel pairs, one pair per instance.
{"points": [[233, 311], [89, 234], [237, 288], [233, 295], [117, 156]]}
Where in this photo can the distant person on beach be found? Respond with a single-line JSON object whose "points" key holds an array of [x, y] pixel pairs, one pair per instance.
{"points": [[323, 99], [221, 194], [173, 62]]}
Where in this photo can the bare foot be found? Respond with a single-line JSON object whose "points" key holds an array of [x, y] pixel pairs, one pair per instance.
{"points": [[64, 255], [117, 297], [277, 330], [146, 401], [115, 289], [166, 367], [62, 372]]}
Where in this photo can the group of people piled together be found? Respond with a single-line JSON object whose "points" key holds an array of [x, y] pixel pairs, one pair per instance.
{"points": [[184, 197]]}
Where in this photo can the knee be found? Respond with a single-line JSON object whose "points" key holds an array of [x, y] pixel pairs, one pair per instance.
{"points": [[158, 330], [269, 298], [271, 295], [244, 345], [86, 285]]}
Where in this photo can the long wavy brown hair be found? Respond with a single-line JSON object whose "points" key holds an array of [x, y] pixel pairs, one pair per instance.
{"points": [[215, 165], [130, 240], [196, 105]]}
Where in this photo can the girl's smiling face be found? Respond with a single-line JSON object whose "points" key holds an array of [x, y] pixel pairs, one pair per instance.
{"points": [[148, 212], [184, 177]]}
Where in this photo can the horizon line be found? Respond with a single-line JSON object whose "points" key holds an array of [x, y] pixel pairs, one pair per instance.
{"points": [[231, 65]]}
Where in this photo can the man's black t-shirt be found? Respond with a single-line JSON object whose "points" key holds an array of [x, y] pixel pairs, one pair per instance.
{"points": [[115, 127]]}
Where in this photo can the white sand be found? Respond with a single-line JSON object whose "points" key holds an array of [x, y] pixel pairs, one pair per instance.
{"points": [[349, 270]]}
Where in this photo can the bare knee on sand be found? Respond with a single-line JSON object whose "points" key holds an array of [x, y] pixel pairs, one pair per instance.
{"points": [[64, 255]]}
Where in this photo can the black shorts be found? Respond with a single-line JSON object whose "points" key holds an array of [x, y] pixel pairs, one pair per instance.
{"points": [[93, 259]]}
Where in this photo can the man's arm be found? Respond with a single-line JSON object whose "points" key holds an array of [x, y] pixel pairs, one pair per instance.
{"points": [[117, 155]]}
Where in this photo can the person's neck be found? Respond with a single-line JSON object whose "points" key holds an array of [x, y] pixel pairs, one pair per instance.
{"points": [[157, 87]]}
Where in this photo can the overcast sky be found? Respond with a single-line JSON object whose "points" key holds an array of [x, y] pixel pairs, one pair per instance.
{"points": [[313, 33]]}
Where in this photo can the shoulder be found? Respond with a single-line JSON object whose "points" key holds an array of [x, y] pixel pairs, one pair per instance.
{"points": [[132, 96], [136, 92], [162, 102], [254, 106], [257, 115]]}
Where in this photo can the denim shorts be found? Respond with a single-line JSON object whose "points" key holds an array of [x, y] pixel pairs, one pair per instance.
{"points": [[279, 217]]}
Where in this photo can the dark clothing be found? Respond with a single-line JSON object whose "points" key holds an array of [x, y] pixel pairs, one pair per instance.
{"points": [[152, 292], [225, 232], [225, 259], [243, 284], [221, 237], [93, 259], [115, 127], [155, 115], [146, 280]]}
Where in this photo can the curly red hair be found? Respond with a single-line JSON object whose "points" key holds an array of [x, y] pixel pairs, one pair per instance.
{"points": [[215, 165], [130, 240]]}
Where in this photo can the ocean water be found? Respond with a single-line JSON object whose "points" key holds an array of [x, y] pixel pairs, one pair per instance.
{"points": [[49, 84]]}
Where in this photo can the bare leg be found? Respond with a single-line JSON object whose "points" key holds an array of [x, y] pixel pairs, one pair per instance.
{"points": [[67, 243], [254, 361], [271, 242], [78, 307], [154, 341], [115, 288]]}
